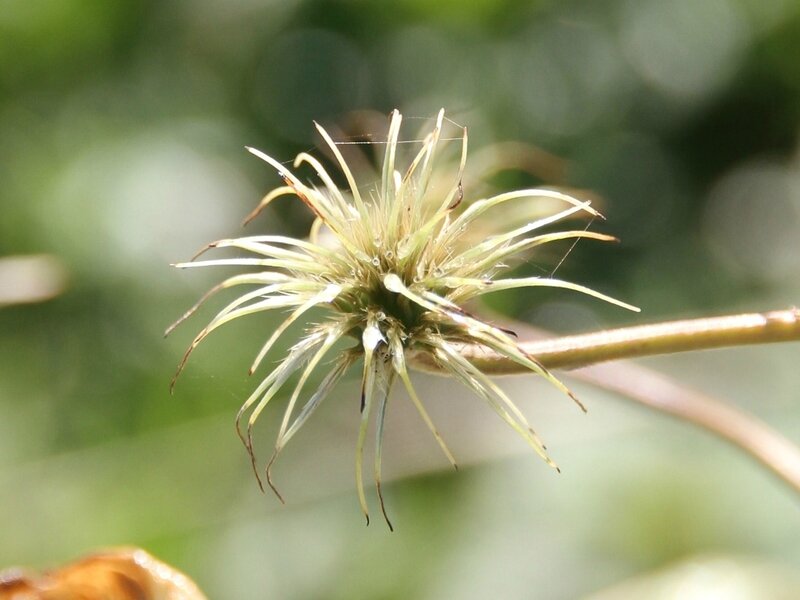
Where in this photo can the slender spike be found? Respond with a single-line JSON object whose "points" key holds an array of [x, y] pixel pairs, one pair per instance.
{"points": [[387, 178], [380, 420], [255, 395], [510, 405], [367, 397], [326, 179], [205, 332], [412, 168], [445, 302], [436, 304], [247, 278], [316, 202], [286, 369], [256, 247], [450, 360], [394, 284], [478, 208], [333, 335], [247, 441], [498, 393], [309, 247], [528, 243], [328, 383], [427, 165], [451, 201], [313, 233], [399, 364], [362, 209], [268, 472], [499, 341], [266, 389], [325, 296], [406, 181], [301, 266], [456, 194], [510, 349], [469, 375], [482, 385], [498, 240], [486, 287], [228, 314]]}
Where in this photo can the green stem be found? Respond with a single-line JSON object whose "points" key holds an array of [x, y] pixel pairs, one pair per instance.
{"points": [[574, 351], [652, 390]]}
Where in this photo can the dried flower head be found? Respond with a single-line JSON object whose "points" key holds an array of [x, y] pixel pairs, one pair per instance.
{"points": [[399, 268]]}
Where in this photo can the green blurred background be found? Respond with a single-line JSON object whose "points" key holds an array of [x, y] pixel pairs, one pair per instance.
{"points": [[122, 126]]}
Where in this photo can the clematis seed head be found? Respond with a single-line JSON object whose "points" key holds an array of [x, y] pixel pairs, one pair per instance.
{"points": [[392, 264]]}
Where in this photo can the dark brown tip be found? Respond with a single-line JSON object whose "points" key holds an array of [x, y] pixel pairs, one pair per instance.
{"points": [[578, 402], [268, 472], [202, 251], [459, 197], [277, 494], [253, 214], [252, 454], [510, 332], [383, 505]]}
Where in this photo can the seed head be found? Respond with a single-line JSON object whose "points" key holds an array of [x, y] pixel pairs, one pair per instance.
{"points": [[393, 273]]}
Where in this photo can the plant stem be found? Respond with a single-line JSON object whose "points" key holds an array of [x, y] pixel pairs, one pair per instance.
{"points": [[574, 351], [658, 392]]}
